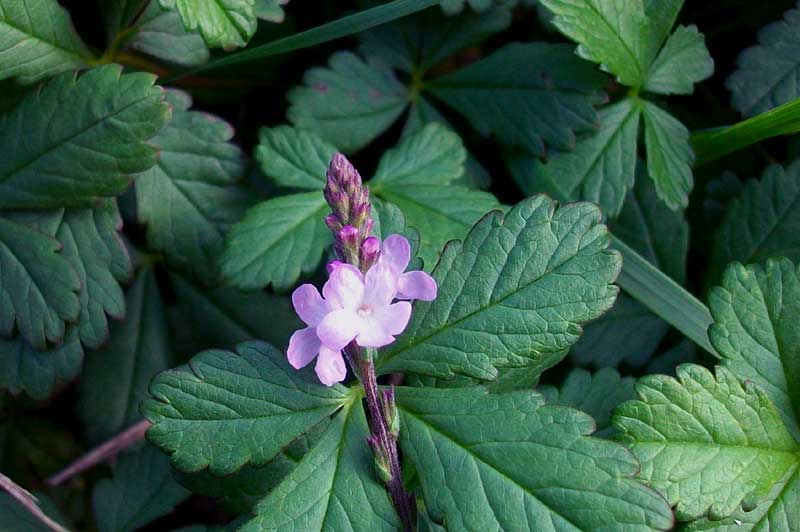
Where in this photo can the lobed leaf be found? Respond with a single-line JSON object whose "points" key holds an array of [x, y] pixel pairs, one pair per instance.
{"points": [[160, 33], [669, 155], [294, 158], [224, 24], [682, 62]]}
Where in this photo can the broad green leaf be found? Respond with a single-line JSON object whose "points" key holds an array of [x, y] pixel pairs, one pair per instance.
{"points": [[601, 168], [277, 241], [224, 24], [513, 294], [189, 198], [708, 444], [85, 137], [160, 33], [763, 222], [294, 158], [333, 487], [37, 39], [669, 155], [116, 377], [141, 491], [37, 373], [596, 394], [508, 462], [226, 409], [661, 15], [38, 287], [767, 74], [613, 33], [350, 102], [528, 95], [682, 62], [756, 313], [432, 156]]}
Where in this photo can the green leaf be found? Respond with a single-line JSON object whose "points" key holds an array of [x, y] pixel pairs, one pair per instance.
{"points": [[222, 23], [508, 462], [116, 377], [118, 14], [160, 33], [767, 74], [39, 286], [224, 409], [85, 137], [141, 491], [601, 168], [37, 39], [762, 222], [709, 445], [596, 394], [270, 10], [613, 33], [682, 62], [16, 518], [513, 294], [661, 15], [756, 314], [294, 158], [333, 486], [189, 198], [452, 7], [349, 103], [277, 241], [38, 373], [669, 155], [528, 95]]}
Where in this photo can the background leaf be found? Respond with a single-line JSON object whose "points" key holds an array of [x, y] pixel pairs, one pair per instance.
{"points": [[160, 33], [222, 23]]}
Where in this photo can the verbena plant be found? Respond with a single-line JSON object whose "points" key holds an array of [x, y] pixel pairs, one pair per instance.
{"points": [[496, 324]]}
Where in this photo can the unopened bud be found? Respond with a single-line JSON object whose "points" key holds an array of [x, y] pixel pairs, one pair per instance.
{"points": [[390, 412], [347, 244], [370, 250], [381, 459]]}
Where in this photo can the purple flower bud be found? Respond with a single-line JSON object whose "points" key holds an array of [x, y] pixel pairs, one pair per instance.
{"points": [[332, 221], [370, 250], [347, 244]]}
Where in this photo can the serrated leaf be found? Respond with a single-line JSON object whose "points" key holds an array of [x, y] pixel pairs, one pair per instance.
{"points": [[509, 462], [116, 377], [513, 294], [768, 73], [224, 24], [669, 155], [141, 491], [294, 158], [37, 39], [333, 486], [160, 33], [37, 373], [38, 285], [85, 137], [708, 444], [528, 95], [349, 103], [224, 409], [189, 198], [682, 62], [601, 168], [614, 33], [277, 241], [755, 331], [762, 222]]}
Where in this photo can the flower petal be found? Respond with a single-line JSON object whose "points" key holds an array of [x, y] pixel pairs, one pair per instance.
{"points": [[338, 328], [378, 329], [303, 347], [416, 285], [345, 287], [309, 305], [380, 285], [395, 253], [330, 366]]}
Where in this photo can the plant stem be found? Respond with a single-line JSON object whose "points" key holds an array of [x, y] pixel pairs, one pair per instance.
{"points": [[381, 432], [29, 502]]}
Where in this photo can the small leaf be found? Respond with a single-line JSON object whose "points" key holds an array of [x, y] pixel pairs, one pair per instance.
{"points": [[294, 158], [222, 23], [349, 103], [277, 241], [189, 198], [682, 62], [707, 444], [669, 155], [160, 33], [508, 462], [37, 39], [141, 491], [333, 486], [513, 294], [528, 95], [85, 137], [224, 409]]}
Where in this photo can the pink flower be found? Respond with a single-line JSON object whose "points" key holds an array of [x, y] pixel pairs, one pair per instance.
{"points": [[396, 254]]}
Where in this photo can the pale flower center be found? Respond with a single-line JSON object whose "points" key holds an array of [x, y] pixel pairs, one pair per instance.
{"points": [[364, 311]]}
